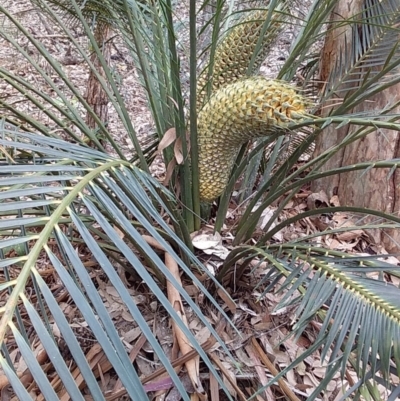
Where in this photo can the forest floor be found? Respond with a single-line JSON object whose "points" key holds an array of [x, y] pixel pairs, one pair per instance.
{"points": [[249, 315]]}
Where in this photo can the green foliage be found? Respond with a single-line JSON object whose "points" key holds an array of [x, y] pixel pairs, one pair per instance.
{"points": [[59, 196]]}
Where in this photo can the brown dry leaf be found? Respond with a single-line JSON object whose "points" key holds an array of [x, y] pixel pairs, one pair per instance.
{"points": [[260, 371], [145, 366], [214, 388], [301, 368], [6, 393], [132, 335], [311, 382], [244, 358], [310, 226], [319, 371], [350, 235], [3, 380], [319, 223], [175, 395], [332, 243], [344, 386], [265, 217], [178, 151], [226, 372], [151, 241], [192, 366], [227, 299], [210, 243], [97, 361], [288, 205], [317, 200], [127, 316], [274, 372], [195, 324], [120, 233], [202, 335], [292, 348], [56, 331], [168, 138], [40, 354], [22, 371], [335, 201], [232, 378], [206, 240], [192, 290], [113, 292], [342, 220], [169, 171], [262, 326]]}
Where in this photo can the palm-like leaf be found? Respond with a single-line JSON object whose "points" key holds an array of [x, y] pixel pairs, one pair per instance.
{"points": [[362, 320], [92, 194], [64, 111], [374, 58]]}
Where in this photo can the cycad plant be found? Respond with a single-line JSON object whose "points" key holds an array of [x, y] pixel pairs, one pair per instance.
{"points": [[96, 254]]}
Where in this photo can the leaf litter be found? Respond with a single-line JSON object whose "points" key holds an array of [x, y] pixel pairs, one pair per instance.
{"points": [[257, 347]]}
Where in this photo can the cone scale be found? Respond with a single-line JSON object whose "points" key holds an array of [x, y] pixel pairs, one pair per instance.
{"points": [[244, 110]]}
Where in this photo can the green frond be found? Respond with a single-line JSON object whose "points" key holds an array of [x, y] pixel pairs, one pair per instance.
{"points": [[94, 11], [65, 111], [83, 197], [360, 315], [374, 57], [311, 31]]}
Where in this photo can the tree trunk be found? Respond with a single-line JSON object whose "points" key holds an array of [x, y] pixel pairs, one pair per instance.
{"points": [[95, 94], [377, 188]]}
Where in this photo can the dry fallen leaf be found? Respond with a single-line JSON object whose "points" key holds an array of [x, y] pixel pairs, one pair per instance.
{"points": [[178, 151], [335, 201], [317, 200], [206, 241], [168, 138]]}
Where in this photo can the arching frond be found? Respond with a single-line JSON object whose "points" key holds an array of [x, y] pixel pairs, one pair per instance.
{"points": [[63, 201], [360, 315], [371, 58]]}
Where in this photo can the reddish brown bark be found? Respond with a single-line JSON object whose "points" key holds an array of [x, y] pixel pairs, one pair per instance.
{"points": [[376, 188]]}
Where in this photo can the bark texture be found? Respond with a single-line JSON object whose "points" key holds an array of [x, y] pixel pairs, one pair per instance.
{"points": [[376, 188], [95, 94]]}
